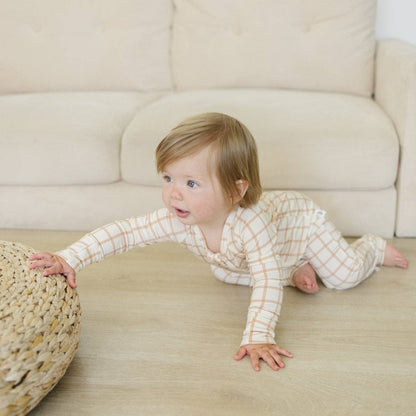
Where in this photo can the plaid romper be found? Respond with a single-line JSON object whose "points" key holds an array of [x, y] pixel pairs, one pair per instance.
{"points": [[261, 246]]}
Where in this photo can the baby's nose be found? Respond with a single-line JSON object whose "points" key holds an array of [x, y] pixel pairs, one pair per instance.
{"points": [[176, 194]]}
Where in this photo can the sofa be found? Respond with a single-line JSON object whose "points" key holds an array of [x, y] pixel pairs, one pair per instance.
{"points": [[88, 89]]}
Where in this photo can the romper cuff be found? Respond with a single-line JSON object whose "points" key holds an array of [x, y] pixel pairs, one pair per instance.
{"points": [[72, 260], [381, 250], [257, 338], [260, 328]]}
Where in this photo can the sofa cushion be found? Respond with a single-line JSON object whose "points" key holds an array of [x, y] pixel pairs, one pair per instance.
{"points": [[306, 140], [64, 138], [55, 45], [318, 45]]}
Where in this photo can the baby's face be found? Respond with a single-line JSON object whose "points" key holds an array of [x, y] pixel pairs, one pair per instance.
{"points": [[192, 192]]}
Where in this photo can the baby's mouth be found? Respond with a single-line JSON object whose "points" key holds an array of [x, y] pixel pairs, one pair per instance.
{"points": [[181, 213]]}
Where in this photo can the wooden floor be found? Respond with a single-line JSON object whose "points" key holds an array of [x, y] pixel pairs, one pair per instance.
{"points": [[159, 333]]}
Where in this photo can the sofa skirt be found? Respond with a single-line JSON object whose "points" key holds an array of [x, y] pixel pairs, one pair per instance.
{"points": [[86, 207]]}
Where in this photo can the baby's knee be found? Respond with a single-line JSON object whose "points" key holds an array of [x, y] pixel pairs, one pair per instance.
{"points": [[341, 282]]}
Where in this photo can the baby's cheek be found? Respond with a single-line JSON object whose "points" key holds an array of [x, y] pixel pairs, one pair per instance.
{"points": [[207, 210], [165, 200]]}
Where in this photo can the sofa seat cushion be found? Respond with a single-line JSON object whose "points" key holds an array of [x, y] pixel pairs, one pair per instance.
{"points": [[306, 140], [64, 138]]}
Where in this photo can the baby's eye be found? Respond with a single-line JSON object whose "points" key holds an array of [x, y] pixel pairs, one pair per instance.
{"points": [[167, 178], [192, 184]]}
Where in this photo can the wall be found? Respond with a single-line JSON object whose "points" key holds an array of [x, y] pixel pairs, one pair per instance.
{"points": [[396, 19]]}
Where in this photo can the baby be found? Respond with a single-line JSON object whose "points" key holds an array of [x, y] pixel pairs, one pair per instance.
{"points": [[214, 206]]}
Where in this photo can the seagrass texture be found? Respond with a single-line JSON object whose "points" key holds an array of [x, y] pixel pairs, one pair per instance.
{"points": [[39, 330]]}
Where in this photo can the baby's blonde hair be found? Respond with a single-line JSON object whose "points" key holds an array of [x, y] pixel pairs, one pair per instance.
{"points": [[235, 151]]}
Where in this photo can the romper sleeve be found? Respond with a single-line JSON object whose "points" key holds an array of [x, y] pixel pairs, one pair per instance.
{"points": [[267, 293], [121, 236], [233, 278]]}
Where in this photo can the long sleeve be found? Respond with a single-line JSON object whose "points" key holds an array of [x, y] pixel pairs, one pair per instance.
{"points": [[121, 236], [267, 294], [230, 277]]}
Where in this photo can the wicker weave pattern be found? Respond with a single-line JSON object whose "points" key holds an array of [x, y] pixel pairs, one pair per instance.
{"points": [[39, 330]]}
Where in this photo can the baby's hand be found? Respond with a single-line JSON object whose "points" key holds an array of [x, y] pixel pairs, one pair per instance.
{"points": [[53, 264], [268, 352]]}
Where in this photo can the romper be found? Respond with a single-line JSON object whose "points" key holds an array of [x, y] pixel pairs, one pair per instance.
{"points": [[261, 246]]}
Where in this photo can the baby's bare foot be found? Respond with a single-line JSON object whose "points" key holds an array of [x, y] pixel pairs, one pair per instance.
{"points": [[304, 279], [393, 258]]}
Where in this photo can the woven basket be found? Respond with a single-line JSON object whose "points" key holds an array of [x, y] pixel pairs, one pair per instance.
{"points": [[39, 330]]}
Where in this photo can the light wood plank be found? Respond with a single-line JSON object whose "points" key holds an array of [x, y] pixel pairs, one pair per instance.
{"points": [[159, 333]]}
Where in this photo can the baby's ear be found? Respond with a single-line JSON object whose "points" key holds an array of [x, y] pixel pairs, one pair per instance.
{"points": [[242, 186]]}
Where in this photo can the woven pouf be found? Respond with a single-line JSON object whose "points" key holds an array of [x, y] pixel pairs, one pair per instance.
{"points": [[39, 330]]}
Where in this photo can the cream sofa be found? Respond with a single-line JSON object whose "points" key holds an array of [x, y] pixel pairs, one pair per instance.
{"points": [[89, 88]]}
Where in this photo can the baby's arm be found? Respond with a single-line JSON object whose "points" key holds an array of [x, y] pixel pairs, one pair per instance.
{"points": [[258, 339], [267, 352], [53, 264], [230, 277], [258, 241], [119, 237], [111, 239]]}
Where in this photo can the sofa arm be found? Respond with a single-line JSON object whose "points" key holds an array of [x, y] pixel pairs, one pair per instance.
{"points": [[395, 92]]}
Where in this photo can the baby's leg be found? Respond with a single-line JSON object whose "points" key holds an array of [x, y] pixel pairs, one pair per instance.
{"points": [[304, 278], [339, 264]]}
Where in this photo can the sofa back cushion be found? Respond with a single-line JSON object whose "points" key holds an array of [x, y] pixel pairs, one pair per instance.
{"points": [[325, 45], [54, 45]]}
